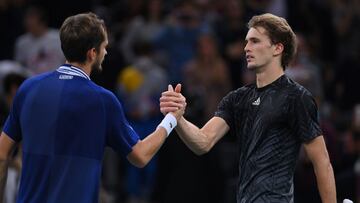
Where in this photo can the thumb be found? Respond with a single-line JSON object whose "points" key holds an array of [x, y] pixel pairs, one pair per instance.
{"points": [[170, 88], [178, 88]]}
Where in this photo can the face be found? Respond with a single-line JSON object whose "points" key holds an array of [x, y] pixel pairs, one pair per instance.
{"points": [[100, 57], [32, 23], [259, 49], [206, 46]]}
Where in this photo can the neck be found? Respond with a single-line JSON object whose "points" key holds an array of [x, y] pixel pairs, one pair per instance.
{"points": [[267, 75], [84, 67]]}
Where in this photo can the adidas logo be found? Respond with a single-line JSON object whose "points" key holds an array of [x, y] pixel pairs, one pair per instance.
{"points": [[256, 102]]}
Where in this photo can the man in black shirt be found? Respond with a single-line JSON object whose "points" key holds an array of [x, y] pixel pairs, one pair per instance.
{"points": [[271, 118]]}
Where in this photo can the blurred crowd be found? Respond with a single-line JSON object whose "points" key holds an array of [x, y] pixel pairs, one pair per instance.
{"points": [[199, 43]]}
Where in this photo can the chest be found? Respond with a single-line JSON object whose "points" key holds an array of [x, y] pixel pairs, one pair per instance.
{"points": [[267, 108]]}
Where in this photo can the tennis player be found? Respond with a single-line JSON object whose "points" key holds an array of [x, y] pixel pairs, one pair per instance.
{"points": [[272, 119], [65, 121]]}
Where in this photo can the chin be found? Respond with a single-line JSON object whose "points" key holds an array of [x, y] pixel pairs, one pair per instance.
{"points": [[251, 66]]}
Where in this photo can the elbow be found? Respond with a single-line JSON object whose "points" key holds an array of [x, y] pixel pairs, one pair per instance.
{"points": [[202, 150], [137, 160], [140, 164]]}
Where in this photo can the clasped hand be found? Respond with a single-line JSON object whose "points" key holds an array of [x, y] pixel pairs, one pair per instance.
{"points": [[173, 101]]}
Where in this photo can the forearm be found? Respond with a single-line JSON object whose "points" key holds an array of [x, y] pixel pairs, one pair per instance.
{"points": [[193, 137], [145, 149], [152, 143], [326, 181], [3, 177]]}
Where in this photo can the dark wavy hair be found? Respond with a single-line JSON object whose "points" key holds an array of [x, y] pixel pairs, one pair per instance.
{"points": [[279, 31], [80, 33]]}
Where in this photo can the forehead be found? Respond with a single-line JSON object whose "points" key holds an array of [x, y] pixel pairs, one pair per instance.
{"points": [[257, 32], [106, 41]]}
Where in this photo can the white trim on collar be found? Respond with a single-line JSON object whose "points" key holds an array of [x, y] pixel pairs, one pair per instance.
{"points": [[71, 70]]}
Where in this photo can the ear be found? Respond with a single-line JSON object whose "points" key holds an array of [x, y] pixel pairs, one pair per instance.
{"points": [[279, 48], [91, 54]]}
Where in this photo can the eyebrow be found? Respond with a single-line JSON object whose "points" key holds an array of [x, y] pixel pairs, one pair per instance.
{"points": [[251, 39]]}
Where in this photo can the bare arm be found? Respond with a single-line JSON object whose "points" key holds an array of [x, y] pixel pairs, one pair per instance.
{"points": [[318, 155], [200, 141], [6, 147], [145, 149]]}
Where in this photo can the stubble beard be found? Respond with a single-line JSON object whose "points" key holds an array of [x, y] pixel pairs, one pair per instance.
{"points": [[96, 66]]}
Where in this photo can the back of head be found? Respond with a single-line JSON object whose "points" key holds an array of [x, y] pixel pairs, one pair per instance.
{"points": [[279, 31], [80, 33]]}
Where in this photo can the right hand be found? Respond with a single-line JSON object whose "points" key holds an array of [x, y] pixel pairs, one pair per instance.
{"points": [[173, 101]]}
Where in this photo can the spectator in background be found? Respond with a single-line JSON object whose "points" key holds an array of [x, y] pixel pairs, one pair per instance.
{"points": [[206, 79], [178, 39], [39, 48], [231, 31], [11, 82], [347, 23], [304, 71], [11, 16], [143, 28], [140, 86]]}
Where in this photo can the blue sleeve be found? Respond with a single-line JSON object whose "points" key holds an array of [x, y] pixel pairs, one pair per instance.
{"points": [[12, 124], [120, 135]]}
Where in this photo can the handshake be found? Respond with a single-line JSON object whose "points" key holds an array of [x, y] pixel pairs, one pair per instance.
{"points": [[172, 101]]}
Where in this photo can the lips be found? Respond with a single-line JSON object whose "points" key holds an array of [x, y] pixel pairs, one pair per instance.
{"points": [[249, 57]]}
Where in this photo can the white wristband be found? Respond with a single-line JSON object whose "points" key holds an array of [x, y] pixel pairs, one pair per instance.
{"points": [[168, 123]]}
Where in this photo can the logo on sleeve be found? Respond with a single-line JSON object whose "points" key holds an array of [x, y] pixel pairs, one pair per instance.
{"points": [[256, 102]]}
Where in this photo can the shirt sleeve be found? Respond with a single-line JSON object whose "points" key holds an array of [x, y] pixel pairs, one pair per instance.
{"points": [[121, 136], [225, 109], [304, 117], [12, 124]]}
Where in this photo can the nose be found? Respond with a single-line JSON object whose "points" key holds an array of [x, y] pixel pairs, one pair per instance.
{"points": [[246, 48]]}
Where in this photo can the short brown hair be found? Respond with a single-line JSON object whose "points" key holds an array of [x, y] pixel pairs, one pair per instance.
{"points": [[80, 33], [279, 31]]}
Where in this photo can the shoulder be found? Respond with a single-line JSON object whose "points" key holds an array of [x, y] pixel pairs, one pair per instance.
{"points": [[34, 80], [106, 95], [243, 90], [296, 90], [298, 95], [30, 83], [239, 94]]}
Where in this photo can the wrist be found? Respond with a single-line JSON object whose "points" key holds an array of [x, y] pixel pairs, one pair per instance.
{"points": [[168, 123]]}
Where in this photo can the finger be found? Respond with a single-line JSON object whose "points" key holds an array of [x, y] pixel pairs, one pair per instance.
{"points": [[178, 88], [173, 99], [170, 88], [171, 93], [171, 104], [168, 109]]}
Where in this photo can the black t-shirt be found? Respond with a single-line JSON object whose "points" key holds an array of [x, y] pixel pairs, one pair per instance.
{"points": [[270, 123]]}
